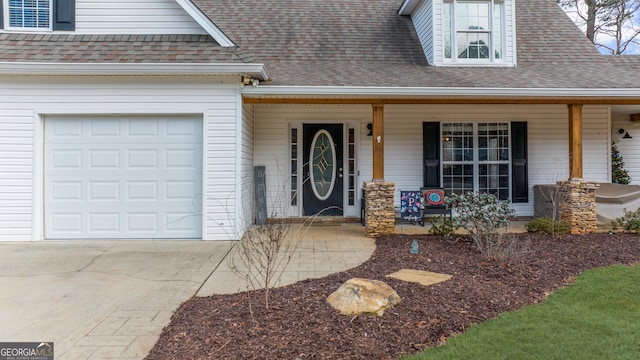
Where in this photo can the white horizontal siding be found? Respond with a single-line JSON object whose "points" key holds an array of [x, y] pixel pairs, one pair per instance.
{"points": [[423, 21], [246, 199], [629, 148], [548, 141], [221, 171], [547, 129], [23, 102], [596, 143], [16, 174], [133, 17]]}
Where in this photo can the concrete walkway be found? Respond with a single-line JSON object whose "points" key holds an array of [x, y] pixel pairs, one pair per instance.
{"points": [[111, 299]]}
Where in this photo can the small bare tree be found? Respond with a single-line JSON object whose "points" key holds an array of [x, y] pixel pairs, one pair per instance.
{"points": [[264, 252]]}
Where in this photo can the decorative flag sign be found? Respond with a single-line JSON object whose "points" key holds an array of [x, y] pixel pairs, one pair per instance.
{"points": [[434, 197]]}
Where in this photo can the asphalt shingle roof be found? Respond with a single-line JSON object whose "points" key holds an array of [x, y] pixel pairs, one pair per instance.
{"points": [[346, 43], [117, 49], [366, 43]]}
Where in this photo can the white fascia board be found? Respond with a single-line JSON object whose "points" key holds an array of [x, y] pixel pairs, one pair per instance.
{"points": [[439, 92], [206, 23], [408, 6], [257, 71]]}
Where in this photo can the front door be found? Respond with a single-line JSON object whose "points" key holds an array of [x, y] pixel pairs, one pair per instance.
{"points": [[323, 169]]}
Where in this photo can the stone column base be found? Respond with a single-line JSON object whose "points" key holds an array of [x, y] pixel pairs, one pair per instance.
{"points": [[379, 212], [577, 205]]}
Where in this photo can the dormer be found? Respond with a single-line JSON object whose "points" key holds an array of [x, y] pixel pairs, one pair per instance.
{"points": [[465, 32]]}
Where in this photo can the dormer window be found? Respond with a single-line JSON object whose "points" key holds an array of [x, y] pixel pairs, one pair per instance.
{"points": [[473, 31], [465, 32], [28, 14]]}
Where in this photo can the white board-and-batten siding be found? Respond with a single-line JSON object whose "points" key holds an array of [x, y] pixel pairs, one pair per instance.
{"points": [[134, 17], [548, 145], [26, 102]]}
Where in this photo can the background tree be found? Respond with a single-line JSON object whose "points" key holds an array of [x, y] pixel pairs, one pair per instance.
{"points": [[608, 24]]}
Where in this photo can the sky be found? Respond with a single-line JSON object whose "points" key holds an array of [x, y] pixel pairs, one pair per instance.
{"points": [[632, 49]]}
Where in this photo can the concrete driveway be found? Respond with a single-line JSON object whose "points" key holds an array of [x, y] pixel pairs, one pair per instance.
{"points": [[111, 299], [99, 300]]}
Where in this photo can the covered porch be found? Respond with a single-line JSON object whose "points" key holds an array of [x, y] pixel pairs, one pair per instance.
{"points": [[386, 142]]}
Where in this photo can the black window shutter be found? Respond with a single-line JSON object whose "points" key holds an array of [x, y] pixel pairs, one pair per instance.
{"points": [[431, 145], [1, 15], [519, 172], [64, 15]]}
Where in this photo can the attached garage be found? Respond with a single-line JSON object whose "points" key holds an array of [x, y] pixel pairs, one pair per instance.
{"points": [[137, 177]]}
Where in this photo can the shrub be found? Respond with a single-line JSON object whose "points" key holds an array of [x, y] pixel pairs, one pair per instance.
{"points": [[482, 215], [547, 225], [442, 225], [507, 249], [630, 221]]}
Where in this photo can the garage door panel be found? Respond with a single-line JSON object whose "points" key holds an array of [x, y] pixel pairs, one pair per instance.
{"points": [[104, 191], [141, 222], [142, 159], [142, 190], [66, 129], [142, 128], [146, 182], [104, 128], [186, 129], [68, 223], [66, 159], [178, 222], [104, 222], [66, 190], [180, 190], [104, 159], [181, 159]]}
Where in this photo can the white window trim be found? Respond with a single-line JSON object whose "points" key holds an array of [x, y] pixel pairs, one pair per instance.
{"points": [[476, 162], [7, 20], [454, 60]]}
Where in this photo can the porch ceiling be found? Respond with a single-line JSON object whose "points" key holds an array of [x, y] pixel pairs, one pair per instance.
{"points": [[625, 109]]}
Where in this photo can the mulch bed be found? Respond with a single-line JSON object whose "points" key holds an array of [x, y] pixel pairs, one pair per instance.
{"points": [[301, 325]]}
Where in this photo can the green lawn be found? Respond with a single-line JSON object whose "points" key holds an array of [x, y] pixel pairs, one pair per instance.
{"points": [[597, 317]]}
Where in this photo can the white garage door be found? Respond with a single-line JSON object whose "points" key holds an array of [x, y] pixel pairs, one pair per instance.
{"points": [[123, 177]]}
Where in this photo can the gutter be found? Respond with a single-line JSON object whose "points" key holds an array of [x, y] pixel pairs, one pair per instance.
{"points": [[390, 93], [257, 71]]}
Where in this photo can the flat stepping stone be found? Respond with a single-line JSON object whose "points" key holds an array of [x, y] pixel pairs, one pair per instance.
{"points": [[425, 278]]}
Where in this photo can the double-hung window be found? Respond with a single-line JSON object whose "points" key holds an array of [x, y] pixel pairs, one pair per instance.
{"points": [[473, 31], [37, 15], [476, 158], [28, 14]]}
